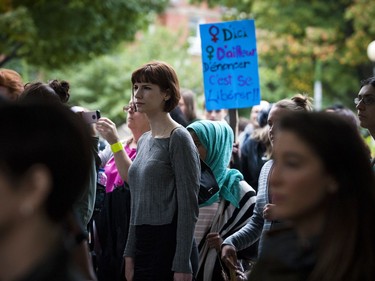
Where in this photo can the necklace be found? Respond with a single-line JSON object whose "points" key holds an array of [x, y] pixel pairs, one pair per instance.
{"points": [[163, 134]]}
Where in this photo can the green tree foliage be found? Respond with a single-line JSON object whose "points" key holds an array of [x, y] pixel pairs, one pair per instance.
{"points": [[53, 33], [104, 83], [294, 35]]}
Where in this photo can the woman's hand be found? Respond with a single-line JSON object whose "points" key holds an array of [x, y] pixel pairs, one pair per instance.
{"points": [[214, 240], [107, 129], [129, 268], [229, 256], [180, 276], [268, 212]]}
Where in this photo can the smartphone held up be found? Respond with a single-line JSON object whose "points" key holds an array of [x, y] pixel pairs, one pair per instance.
{"points": [[91, 116]]}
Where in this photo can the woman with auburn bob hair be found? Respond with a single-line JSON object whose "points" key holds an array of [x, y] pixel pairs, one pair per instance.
{"points": [[323, 185], [163, 179]]}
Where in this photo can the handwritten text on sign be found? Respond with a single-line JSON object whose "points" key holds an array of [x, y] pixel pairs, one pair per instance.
{"points": [[230, 64]]}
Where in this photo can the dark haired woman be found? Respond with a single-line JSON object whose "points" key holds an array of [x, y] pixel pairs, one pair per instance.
{"points": [[164, 182], [57, 93], [327, 196], [54, 92]]}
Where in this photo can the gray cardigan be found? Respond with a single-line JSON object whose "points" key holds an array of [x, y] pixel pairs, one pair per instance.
{"points": [[164, 181]]}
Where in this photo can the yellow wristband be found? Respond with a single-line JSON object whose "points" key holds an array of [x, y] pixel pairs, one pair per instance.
{"points": [[116, 147]]}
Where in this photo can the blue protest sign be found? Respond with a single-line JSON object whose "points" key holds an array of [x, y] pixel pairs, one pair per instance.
{"points": [[230, 64]]}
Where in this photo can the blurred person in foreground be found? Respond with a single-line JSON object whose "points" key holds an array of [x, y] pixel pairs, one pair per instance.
{"points": [[328, 199], [40, 180], [57, 92]]}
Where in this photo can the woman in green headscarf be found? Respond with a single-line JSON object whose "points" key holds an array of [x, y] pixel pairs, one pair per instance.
{"points": [[229, 209]]}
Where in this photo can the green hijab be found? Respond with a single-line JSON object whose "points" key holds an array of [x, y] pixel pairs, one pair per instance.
{"points": [[217, 138]]}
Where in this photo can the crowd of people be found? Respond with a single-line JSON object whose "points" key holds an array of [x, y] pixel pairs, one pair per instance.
{"points": [[298, 206]]}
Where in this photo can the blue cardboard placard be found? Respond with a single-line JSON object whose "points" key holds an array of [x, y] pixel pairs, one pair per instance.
{"points": [[230, 64]]}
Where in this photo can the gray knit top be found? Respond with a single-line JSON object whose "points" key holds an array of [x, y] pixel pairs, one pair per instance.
{"points": [[164, 182]]}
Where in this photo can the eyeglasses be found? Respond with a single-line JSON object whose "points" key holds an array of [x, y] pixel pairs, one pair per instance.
{"points": [[366, 100], [129, 107]]}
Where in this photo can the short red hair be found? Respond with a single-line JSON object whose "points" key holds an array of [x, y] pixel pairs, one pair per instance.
{"points": [[11, 80]]}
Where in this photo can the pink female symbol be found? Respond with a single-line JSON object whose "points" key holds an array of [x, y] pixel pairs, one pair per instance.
{"points": [[214, 31]]}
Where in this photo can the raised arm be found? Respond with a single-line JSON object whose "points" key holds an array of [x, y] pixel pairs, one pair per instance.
{"points": [[107, 129]]}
